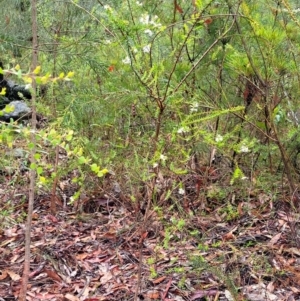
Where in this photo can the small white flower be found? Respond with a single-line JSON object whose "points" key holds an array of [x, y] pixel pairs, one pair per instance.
{"points": [[145, 19], [163, 157], [134, 50], [155, 165], [127, 60], [182, 130], [244, 149], [148, 32], [194, 107], [147, 48], [139, 3], [107, 7], [219, 138], [107, 42], [181, 191], [153, 21]]}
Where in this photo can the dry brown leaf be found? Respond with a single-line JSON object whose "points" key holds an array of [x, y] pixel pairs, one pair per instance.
{"points": [[13, 275], [71, 297], [178, 8], [106, 277], [82, 256], [3, 274], [153, 295], [6, 242], [274, 239], [270, 287], [229, 236], [159, 280], [54, 276], [47, 296], [293, 250]]}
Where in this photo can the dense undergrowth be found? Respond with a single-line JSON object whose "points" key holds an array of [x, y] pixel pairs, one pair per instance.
{"points": [[185, 107]]}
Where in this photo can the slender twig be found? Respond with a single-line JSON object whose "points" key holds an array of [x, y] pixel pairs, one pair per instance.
{"points": [[23, 291]]}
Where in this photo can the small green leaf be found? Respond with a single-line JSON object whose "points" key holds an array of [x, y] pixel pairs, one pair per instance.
{"points": [[100, 174], [95, 168], [19, 73], [81, 160], [39, 170], [3, 91], [75, 180], [37, 70], [104, 171], [31, 145], [42, 180], [237, 174], [37, 156], [9, 109], [70, 74], [70, 135]]}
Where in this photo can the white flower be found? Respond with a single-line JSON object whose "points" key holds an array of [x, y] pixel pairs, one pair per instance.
{"points": [[139, 3], [148, 32], [145, 19], [163, 157], [244, 149], [147, 48], [181, 191], [152, 22], [127, 60], [194, 107], [219, 138], [155, 165], [107, 7], [182, 130], [107, 42]]}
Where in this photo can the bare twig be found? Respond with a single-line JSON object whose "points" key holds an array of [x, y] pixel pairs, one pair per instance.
{"points": [[23, 291]]}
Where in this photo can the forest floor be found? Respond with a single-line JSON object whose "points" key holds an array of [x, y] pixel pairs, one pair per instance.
{"points": [[118, 253]]}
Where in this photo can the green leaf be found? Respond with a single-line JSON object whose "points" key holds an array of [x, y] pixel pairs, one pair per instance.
{"points": [[37, 156], [95, 168], [42, 180], [237, 174], [100, 174], [39, 170], [9, 109], [81, 160], [3, 91], [104, 171], [70, 135]]}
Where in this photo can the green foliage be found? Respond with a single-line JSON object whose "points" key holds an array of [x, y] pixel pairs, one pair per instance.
{"points": [[151, 89], [49, 139]]}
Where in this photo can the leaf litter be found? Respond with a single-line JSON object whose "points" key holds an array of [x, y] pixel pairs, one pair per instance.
{"points": [[104, 255]]}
